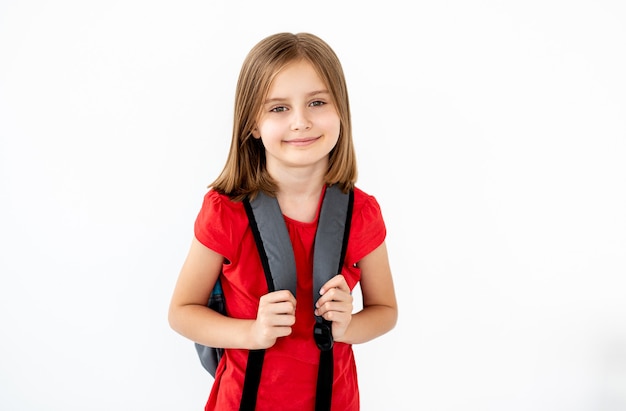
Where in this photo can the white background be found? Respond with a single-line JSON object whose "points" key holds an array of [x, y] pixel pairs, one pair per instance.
{"points": [[492, 133]]}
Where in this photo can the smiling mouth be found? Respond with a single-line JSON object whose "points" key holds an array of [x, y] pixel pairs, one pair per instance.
{"points": [[302, 141]]}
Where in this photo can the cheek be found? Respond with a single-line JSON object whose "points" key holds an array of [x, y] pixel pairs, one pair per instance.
{"points": [[327, 119], [268, 129], [332, 125]]}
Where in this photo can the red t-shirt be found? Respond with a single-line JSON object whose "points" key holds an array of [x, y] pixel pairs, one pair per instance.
{"points": [[290, 367]]}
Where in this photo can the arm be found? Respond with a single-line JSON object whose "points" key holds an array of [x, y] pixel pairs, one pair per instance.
{"points": [[189, 316], [380, 311]]}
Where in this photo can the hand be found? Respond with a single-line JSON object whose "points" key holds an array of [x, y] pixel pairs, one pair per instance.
{"points": [[335, 305], [275, 316]]}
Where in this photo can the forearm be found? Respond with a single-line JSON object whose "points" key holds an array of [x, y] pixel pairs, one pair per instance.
{"points": [[207, 327], [369, 323]]}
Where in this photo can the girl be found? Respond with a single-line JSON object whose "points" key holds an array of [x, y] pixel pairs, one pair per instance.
{"points": [[292, 138]]}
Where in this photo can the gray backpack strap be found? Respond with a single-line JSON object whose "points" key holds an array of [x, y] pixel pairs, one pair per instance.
{"points": [[329, 247], [269, 224], [331, 242]]}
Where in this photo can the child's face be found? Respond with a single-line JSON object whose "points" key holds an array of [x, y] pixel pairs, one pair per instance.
{"points": [[299, 123]]}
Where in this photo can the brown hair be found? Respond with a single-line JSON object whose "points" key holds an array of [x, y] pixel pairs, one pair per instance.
{"points": [[244, 172]]}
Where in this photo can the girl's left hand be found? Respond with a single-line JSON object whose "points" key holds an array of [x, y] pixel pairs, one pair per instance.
{"points": [[335, 305]]}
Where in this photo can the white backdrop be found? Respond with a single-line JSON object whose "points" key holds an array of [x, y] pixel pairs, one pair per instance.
{"points": [[492, 133]]}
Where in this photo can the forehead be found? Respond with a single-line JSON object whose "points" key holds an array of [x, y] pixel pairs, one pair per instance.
{"points": [[297, 76]]}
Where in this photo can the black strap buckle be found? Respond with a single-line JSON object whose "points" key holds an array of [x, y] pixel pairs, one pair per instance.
{"points": [[323, 334]]}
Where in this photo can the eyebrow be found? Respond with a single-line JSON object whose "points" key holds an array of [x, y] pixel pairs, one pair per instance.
{"points": [[311, 94]]}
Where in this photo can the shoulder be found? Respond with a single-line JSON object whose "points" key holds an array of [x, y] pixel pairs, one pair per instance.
{"points": [[366, 205], [215, 201], [361, 195], [220, 222], [367, 219]]}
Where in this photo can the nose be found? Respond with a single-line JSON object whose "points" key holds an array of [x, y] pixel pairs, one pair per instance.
{"points": [[300, 120]]}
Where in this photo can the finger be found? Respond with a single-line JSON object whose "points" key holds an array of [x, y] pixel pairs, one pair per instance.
{"points": [[338, 281], [282, 331], [283, 320], [283, 308], [279, 296], [278, 308], [333, 312], [338, 306], [334, 294]]}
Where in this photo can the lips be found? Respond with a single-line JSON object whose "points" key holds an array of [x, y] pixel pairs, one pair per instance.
{"points": [[302, 141]]}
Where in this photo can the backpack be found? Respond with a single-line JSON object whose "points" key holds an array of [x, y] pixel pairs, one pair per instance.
{"points": [[274, 245]]}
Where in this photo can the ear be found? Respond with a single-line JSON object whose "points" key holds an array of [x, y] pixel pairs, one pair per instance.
{"points": [[255, 133]]}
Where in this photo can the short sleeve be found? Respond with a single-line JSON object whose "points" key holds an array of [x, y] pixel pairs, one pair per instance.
{"points": [[218, 224], [367, 232]]}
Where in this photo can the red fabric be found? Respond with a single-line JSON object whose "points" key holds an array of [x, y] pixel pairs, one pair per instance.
{"points": [[289, 373]]}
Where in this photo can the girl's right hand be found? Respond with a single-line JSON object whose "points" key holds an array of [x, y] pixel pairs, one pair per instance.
{"points": [[275, 316]]}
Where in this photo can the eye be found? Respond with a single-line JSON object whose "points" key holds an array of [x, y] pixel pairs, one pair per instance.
{"points": [[278, 109], [318, 103]]}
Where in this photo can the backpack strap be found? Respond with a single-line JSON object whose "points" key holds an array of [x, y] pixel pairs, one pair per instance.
{"points": [[272, 239], [332, 234], [276, 252], [273, 244]]}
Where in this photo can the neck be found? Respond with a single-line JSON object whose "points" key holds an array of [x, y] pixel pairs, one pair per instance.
{"points": [[298, 182], [300, 201]]}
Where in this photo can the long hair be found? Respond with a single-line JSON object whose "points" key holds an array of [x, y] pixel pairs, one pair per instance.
{"points": [[245, 172]]}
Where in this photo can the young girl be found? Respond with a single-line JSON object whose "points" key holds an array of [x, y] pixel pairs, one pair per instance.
{"points": [[292, 138]]}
